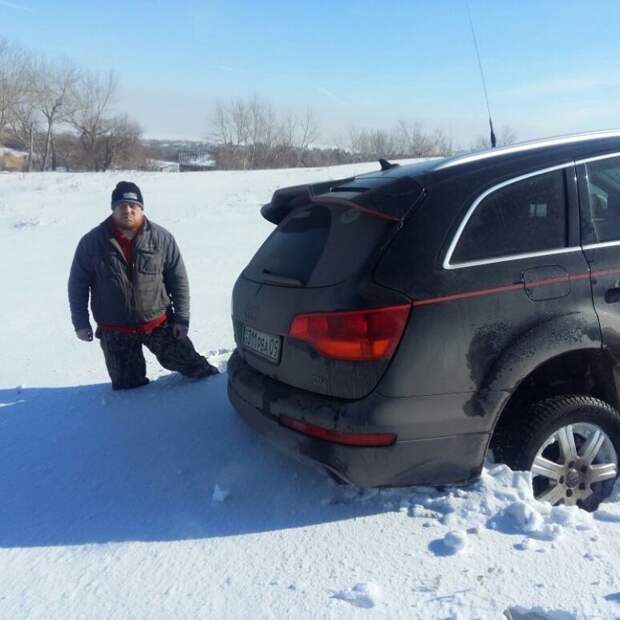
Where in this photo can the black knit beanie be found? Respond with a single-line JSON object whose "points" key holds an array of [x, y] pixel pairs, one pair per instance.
{"points": [[126, 191]]}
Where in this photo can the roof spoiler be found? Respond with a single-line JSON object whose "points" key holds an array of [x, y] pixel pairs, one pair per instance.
{"points": [[286, 199], [391, 199]]}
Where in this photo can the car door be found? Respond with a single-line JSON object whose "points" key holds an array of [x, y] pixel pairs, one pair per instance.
{"points": [[599, 198], [511, 292]]}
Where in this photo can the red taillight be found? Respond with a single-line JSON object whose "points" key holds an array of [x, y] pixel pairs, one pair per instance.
{"points": [[376, 440], [353, 335]]}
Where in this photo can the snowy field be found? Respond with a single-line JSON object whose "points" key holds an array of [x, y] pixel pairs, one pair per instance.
{"points": [[160, 503]]}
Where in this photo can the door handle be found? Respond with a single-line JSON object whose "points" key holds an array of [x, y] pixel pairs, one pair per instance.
{"points": [[612, 295]]}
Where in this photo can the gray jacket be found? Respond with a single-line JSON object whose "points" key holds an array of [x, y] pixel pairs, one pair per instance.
{"points": [[156, 284]]}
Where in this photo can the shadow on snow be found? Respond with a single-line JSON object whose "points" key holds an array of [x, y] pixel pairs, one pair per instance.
{"points": [[88, 465]]}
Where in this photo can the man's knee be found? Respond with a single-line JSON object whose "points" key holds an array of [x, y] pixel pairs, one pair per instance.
{"points": [[124, 360], [177, 354]]}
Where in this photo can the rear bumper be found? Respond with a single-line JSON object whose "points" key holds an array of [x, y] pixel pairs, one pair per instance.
{"points": [[260, 400]]}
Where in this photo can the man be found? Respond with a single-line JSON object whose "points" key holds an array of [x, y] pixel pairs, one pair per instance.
{"points": [[139, 294]]}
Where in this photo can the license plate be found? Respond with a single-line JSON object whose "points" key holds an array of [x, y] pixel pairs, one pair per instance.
{"points": [[266, 345]]}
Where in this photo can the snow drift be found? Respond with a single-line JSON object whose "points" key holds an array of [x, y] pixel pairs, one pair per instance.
{"points": [[160, 502]]}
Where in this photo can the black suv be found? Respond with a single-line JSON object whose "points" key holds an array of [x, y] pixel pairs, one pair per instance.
{"points": [[398, 324]]}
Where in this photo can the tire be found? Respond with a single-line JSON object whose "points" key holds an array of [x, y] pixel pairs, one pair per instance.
{"points": [[564, 471]]}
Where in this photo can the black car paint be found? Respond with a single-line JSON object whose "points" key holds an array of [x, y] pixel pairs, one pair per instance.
{"points": [[605, 270], [261, 400], [272, 308], [473, 336]]}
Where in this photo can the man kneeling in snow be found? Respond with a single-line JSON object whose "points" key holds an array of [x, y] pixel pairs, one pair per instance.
{"points": [[139, 292]]}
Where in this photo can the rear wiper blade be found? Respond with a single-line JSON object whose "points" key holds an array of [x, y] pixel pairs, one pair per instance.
{"points": [[276, 278]]}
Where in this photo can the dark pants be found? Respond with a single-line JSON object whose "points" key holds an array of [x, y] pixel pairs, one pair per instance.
{"points": [[126, 364]]}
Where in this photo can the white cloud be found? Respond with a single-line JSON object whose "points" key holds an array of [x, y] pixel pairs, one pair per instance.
{"points": [[17, 7]]}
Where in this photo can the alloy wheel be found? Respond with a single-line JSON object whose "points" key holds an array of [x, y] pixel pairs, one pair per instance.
{"points": [[573, 464]]}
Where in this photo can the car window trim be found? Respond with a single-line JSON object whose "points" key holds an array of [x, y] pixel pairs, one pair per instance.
{"points": [[584, 173], [602, 244], [587, 160], [448, 265]]}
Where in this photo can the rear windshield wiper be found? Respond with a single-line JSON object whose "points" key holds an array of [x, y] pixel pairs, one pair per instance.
{"points": [[276, 278]]}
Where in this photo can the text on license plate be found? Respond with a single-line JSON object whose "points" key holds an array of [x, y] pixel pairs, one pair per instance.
{"points": [[264, 344]]}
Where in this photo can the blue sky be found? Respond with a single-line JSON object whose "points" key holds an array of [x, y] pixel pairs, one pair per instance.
{"points": [[552, 67]]}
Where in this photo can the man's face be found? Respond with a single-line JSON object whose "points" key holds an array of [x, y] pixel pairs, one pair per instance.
{"points": [[128, 215]]}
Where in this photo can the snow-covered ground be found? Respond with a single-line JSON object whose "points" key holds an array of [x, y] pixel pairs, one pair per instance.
{"points": [[160, 503]]}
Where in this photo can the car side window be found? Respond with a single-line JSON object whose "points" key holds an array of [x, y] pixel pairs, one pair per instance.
{"points": [[526, 216], [601, 216]]}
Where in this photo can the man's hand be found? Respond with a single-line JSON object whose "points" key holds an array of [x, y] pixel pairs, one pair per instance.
{"points": [[85, 334], [179, 331]]}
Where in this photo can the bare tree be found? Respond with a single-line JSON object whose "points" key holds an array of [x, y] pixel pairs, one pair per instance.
{"points": [[505, 137], [221, 124], [230, 132], [250, 134], [360, 143], [239, 117], [25, 129], [91, 100], [288, 142], [222, 134], [403, 140], [417, 142], [411, 140], [122, 146], [6, 84], [308, 132], [13, 67], [263, 133], [53, 86], [443, 143], [24, 120], [48, 104], [381, 143]]}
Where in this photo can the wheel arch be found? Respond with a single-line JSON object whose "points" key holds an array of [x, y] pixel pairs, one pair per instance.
{"points": [[587, 371]]}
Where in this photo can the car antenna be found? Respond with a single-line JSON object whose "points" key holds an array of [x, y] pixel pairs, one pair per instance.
{"points": [[386, 165], [484, 82]]}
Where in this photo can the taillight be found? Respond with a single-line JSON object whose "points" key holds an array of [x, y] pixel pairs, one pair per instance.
{"points": [[374, 440], [353, 335]]}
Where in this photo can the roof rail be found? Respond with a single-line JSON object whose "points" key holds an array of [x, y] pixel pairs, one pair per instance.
{"points": [[526, 146]]}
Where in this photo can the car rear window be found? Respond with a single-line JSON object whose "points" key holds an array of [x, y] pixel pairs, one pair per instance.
{"points": [[318, 245]]}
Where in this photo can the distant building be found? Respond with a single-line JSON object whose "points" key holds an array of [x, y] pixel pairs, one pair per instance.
{"points": [[163, 166], [196, 161]]}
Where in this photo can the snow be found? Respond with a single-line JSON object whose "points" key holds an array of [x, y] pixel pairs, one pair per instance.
{"points": [[219, 494], [161, 503], [365, 595], [454, 542]]}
